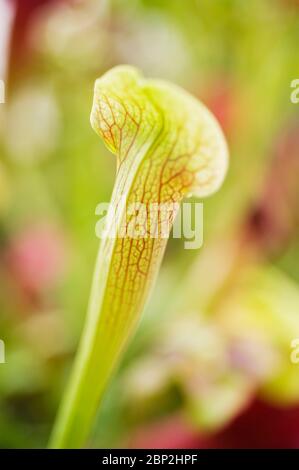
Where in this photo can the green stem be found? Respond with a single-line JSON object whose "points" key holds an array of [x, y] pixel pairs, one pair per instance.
{"points": [[104, 337]]}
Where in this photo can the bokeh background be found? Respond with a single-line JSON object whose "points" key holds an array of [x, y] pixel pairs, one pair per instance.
{"points": [[211, 363]]}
